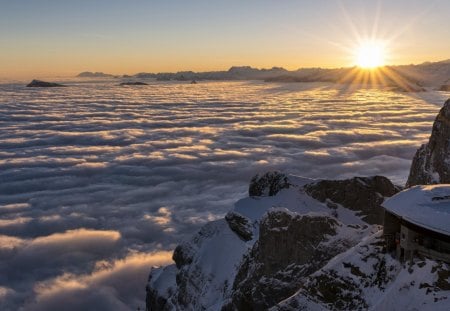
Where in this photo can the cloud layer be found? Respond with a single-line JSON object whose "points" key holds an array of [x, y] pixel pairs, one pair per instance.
{"points": [[98, 181]]}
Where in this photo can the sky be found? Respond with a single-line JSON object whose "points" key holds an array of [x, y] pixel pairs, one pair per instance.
{"points": [[63, 38]]}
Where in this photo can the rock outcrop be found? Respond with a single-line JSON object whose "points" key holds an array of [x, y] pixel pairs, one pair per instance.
{"points": [[39, 83], [268, 184], [290, 247], [367, 278], [431, 163], [361, 194], [240, 225]]}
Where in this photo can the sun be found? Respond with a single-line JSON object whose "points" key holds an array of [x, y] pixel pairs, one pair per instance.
{"points": [[370, 55]]}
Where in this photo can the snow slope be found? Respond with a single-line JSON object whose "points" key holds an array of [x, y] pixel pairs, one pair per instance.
{"points": [[365, 278], [204, 276]]}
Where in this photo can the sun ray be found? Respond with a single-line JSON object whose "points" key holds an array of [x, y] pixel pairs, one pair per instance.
{"points": [[376, 20], [349, 21], [396, 78]]}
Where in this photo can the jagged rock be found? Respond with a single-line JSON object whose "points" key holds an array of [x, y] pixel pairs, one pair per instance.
{"points": [[133, 83], [182, 255], [268, 184], [367, 278], [39, 83], [240, 225], [431, 163], [290, 246], [362, 194], [445, 88], [157, 292]]}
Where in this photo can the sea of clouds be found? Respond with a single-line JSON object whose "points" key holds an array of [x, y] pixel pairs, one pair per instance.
{"points": [[99, 182]]}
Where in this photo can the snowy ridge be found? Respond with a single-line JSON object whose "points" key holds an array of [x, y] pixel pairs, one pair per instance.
{"points": [[206, 269], [214, 268], [365, 278]]}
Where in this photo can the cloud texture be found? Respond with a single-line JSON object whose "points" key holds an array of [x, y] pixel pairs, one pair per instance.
{"points": [[98, 182]]}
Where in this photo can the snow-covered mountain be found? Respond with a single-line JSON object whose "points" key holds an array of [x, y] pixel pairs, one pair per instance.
{"points": [[299, 244], [260, 252], [365, 277]]}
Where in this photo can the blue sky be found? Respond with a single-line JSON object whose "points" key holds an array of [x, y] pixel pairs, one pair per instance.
{"points": [[64, 37]]}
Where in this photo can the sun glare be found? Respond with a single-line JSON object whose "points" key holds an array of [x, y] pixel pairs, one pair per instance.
{"points": [[370, 55]]}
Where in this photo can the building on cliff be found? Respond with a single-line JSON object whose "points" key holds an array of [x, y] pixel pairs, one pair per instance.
{"points": [[417, 221]]}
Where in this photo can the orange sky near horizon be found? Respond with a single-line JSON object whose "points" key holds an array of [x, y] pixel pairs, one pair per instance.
{"points": [[54, 39]]}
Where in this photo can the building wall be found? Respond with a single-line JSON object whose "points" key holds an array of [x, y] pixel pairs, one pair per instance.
{"points": [[407, 240], [407, 237], [391, 230], [412, 243]]}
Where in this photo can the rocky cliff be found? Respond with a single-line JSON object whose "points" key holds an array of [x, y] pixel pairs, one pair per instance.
{"points": [[262, 251], [290, 247], [431, 163], [365, 277]]}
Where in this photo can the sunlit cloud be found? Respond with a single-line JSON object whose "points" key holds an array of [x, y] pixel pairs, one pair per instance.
{"points": [[76, 198], [105, 283]]}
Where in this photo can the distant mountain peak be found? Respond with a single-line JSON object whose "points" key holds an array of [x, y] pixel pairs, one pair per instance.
{"points": [[89, 74]]}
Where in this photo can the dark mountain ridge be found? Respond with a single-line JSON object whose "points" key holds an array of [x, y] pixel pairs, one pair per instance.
{"points": [[403, 77]]}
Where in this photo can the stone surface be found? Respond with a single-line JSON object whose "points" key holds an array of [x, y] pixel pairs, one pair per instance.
{"points": [[431, 163], [183, 254], [361, 194], [290, 246], [268, 184], [240, 225]]}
